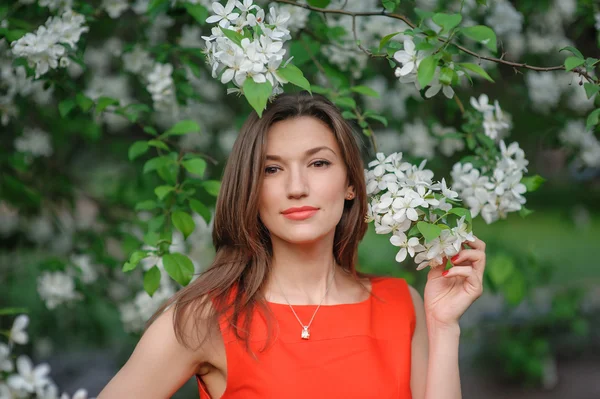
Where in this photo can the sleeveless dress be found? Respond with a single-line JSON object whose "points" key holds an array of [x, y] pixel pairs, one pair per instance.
{"points": [[355, 350]]}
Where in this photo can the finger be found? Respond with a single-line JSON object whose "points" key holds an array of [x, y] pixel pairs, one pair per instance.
{"points": [[437, 270], [475, 256], [477, 244], [471, 278]]}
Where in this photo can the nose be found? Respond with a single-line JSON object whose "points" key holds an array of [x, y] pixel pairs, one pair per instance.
{"points": [[297, 183]]}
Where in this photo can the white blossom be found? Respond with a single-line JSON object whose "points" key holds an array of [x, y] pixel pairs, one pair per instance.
{"points": [[35, 142], [18, 335], [56, 288], [6, 363], [9, 219], [223, 15], [408, 246], [402, 195], [409, 58], [115, 8], [42, 49], [29, 378]]}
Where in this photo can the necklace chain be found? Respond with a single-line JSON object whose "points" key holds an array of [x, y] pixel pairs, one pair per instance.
{"points": [[305, 328]]}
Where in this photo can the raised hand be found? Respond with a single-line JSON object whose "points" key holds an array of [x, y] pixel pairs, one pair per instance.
{"points": [[448, 294]]}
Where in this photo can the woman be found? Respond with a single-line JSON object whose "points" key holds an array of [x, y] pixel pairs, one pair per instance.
{"points": [[282, 312]]}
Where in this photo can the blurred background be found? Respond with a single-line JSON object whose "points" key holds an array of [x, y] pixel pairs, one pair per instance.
{"points": [[76, 201]]}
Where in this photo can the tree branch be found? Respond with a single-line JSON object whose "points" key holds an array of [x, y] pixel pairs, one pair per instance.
{"points": [[407, 21]]}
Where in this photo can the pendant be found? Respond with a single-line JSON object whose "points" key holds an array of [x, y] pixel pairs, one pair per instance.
{"points": [[305, 332]]}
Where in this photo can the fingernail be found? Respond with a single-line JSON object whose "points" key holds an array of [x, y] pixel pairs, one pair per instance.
{"points": [[453, 259], [445, 273]]}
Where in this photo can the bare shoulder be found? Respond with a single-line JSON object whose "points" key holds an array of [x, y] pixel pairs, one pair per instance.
{"points": [[160, 364]]}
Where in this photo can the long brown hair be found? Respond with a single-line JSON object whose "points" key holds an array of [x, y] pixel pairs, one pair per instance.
{"points": [[233, 283]]}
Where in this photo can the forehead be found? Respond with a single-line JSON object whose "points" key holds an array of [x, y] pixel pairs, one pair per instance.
{"points": [[294, 136]]}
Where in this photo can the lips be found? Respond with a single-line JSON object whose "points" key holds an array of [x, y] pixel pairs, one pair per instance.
{"points": [[300, 213], [299, 209]]}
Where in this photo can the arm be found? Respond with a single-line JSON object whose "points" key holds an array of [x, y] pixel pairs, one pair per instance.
{"points": [[434, 356], [158, 367], [448, 294]]}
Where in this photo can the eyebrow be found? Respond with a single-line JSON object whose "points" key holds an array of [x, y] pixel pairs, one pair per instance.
{"points": [[312, 151]]}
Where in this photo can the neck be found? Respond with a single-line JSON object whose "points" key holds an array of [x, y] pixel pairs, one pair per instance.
{"points": [[301, 273]]}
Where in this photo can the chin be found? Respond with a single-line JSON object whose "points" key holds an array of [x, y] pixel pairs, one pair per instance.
{"points": [[302, 236]]}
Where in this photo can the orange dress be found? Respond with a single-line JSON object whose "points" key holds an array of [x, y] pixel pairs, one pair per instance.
{"points": [[357, 350]]}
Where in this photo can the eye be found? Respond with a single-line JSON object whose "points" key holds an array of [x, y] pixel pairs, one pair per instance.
{"points": [[269, 170], [321, 163]]}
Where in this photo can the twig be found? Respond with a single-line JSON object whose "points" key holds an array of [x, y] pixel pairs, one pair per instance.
{"points": [[407, 21]]}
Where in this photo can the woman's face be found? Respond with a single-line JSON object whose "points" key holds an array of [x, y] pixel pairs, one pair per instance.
{"points": [[303, 168]]}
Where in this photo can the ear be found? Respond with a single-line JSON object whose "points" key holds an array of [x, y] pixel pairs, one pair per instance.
{"points": [[350, 191]]}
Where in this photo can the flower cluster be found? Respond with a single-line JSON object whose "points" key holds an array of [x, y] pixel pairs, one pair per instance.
{"points": [[582, 140], [495, 123], [246, 43], [45, 48], [416, 211], [27, 380], [410, 59], [493, 193]]}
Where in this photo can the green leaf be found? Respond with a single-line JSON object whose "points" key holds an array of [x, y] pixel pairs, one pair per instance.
{"points": [[257, 94], [426, 70], [150, 130], [483, 35], [13, 311], [151, 238], [196, 166], [447, 21], [447, 75], [365, 90], [477, 69], [156, 163], [294, 75], [345, 102], [134, 260], [573, 50], [429, 231], [379, 118], [199, 12], [524, 212], [152, 280], [500, 268], [155, 6], [84, 102], [462, 212], [179, 267], [424, 46], [233, 36], [212, 187], [319, 3], [146, 205], [104, 102], [593, 118], [156, 223], [200, 209], [386, 39], [423, 14], [514, 289], [138, 148], [65, 106], [482, 2], [532, 183], [573, 62], [162, 191], [158, 144], [183, 127], [591, 89], [183, 222]]}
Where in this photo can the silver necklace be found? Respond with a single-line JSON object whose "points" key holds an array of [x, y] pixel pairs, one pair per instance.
{"points": [[306, 328]]}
